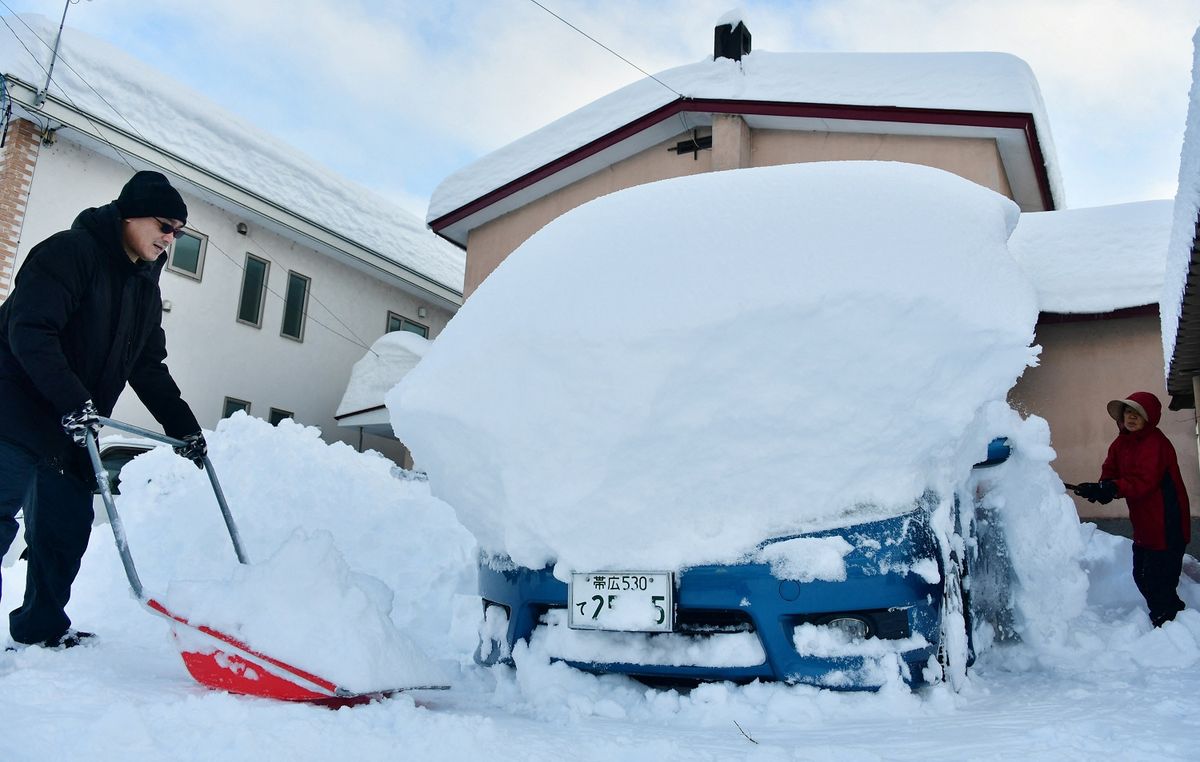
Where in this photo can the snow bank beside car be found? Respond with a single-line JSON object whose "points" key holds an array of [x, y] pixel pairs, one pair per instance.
{"points": [[670, 374], [357, 595]]}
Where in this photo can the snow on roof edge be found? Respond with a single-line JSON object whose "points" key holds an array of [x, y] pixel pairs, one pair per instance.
{"points": [[1184, 219], [128, 92], [1095, 260], [971, 81]]}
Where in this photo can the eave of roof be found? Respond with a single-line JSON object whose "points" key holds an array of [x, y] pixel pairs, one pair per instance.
{"points": [[1052, 318], [453, 226], [1185, 359]]}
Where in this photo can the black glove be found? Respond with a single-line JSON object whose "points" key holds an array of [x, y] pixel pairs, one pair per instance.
{"points": [[194, 448], [1097, 492], [81, 423]]}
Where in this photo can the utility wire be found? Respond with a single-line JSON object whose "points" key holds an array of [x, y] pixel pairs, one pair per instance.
{"points": [[610, 50], [357, 341]]}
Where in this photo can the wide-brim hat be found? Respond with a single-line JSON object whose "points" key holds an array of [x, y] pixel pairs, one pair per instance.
{"points": [[1116, 409]]}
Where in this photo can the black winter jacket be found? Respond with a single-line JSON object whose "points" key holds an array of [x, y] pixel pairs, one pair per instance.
{"points": [[81, 321]]}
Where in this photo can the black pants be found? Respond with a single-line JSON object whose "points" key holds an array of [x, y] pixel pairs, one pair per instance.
{"points": [[1156, 574], [58, 522]]}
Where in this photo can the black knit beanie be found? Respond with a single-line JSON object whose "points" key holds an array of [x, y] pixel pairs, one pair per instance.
{"points": [[149, 194]]}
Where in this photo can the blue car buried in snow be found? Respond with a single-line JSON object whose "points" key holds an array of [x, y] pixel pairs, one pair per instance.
{"points": [[737, 412], [893, 612]]}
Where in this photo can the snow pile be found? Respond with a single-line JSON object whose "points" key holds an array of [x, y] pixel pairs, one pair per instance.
{"points": [[1028, 560], [392, 356], [342, 630], [376, 554], [989, 82], [672, 373], [1097, 259], [1113, 635], [135, 97], [1185, 216]]}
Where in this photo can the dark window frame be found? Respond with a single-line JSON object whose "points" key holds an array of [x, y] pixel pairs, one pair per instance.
{"points": [[286, 414], [303, 307], [262, 295], [226, 413], [199, 274], [402, 321]]}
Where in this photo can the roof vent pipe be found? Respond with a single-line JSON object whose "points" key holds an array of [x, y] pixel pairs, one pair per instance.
{"points": [[731, 41]]}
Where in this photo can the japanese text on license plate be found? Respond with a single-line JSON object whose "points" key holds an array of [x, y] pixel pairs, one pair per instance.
{"points": [[626, 601]]}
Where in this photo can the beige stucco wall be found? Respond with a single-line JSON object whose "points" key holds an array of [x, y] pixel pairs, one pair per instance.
{"points": [[976, 159], [733, 145], [1100, 360], [489, 244]]}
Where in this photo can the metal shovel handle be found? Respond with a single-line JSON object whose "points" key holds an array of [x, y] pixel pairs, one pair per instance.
{"points": [[110, 506]]}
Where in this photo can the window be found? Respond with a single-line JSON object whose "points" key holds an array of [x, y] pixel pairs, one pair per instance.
{"points": [[278, 415], [187, 254], [114, 459], [254, 285], [398, 323], [232, 405], [295, 306]]}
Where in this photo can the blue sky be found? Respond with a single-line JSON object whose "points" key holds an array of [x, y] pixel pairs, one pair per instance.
{"points": [[397, 95]]}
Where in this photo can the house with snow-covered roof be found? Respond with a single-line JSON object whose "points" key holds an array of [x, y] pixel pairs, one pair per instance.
{"points": [[287, 272], [978, 115]]}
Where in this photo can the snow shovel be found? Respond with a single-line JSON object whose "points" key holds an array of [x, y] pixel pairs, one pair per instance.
{"points": [[215, 659]]}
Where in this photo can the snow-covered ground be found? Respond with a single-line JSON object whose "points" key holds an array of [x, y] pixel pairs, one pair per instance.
{"points": [[1114, 687]]}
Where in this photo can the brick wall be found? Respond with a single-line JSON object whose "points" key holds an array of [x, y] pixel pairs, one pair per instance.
{"points": [[17, 160]]}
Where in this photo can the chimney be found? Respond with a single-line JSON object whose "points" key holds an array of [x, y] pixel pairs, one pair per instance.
{"points": [[731, 41]]}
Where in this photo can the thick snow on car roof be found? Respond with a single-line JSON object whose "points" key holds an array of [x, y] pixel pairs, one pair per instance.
{"points": [[672, 373]]}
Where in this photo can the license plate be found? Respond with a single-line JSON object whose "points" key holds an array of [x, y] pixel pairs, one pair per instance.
{"points": [[625, 601]]}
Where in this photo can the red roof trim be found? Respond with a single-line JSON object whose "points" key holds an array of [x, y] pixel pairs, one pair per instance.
{"points": [[1146, 310], [998, 119]]}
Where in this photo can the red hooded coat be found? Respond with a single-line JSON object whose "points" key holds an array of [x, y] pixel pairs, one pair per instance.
{"points": [[1144, 467]]}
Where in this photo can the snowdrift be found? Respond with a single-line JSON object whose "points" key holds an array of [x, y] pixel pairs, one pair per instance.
{"points": [[349, 564]]}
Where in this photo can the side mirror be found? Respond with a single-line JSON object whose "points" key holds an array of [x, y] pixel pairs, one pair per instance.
{"points": [[997, 452]]}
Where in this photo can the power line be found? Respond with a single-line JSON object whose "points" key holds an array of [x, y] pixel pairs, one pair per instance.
{"points": [[610, 50]]}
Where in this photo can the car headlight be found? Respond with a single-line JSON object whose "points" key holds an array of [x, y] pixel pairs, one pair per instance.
{"points": [[852, 627]]}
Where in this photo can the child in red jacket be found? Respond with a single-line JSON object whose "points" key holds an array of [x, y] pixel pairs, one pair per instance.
{"points": [[1141, 467]]}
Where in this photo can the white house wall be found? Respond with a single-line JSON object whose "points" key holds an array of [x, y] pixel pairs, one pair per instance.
{"points": [[211, 354]]}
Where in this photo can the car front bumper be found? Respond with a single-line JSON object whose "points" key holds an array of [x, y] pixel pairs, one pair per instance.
{"points": [[746, 603]]}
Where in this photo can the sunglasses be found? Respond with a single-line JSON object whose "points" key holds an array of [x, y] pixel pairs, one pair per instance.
{"points": [[167, 227]]}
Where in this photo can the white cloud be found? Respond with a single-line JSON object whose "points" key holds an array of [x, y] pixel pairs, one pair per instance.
{"points": [[400, 94]]}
